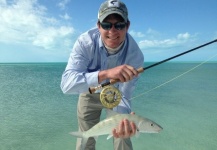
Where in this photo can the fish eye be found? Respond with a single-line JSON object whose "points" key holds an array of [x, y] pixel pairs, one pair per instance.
{"points": [[152, 124]]}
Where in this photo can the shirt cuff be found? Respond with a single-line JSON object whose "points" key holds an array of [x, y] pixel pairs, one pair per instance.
{"points": [[92, 78]]}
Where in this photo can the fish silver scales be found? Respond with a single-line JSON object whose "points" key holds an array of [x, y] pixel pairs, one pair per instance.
{"points": [[144, 125]]}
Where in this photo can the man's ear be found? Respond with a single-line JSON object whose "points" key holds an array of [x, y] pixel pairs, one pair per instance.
{"points": [[98, 24]]}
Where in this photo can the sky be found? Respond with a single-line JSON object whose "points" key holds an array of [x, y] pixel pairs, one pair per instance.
{"points": [[45, 30]]}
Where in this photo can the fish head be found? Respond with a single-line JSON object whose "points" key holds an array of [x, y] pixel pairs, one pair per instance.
{"points": [[148, 126]]}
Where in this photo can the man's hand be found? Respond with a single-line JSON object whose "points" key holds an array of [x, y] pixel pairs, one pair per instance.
{"points": [[123, 73], [126, 129]]}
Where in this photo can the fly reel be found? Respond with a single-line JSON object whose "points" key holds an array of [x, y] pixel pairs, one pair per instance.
{"points": [[110, 96]]}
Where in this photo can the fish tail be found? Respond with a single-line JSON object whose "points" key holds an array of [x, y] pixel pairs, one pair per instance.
{"points": [[83, 138]]}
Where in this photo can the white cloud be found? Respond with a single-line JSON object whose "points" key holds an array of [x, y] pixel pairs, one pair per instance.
{"points": [[166, 43], [63, 4], [183, 36], [28, 22], [65, 16], [3, 2], [136, 34], [49, 38], [151, 39], [152, 32]]}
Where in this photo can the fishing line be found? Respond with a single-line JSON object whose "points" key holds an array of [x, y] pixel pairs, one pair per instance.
{"points": [[109, 97], [174, 78], [141, 69]]}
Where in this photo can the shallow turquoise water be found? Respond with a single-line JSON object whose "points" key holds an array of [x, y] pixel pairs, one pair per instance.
{"points": [[34, 114]]}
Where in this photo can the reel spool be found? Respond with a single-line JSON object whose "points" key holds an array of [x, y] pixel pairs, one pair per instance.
{"points": [[110, 96]]}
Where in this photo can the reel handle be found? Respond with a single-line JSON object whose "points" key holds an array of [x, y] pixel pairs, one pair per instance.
{"points": [[112, 81]]}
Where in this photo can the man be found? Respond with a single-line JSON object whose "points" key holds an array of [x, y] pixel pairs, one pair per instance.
{"points": [[100, 54]]}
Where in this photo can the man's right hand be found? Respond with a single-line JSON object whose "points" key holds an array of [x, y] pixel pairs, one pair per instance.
{"points": [[122, 73]]}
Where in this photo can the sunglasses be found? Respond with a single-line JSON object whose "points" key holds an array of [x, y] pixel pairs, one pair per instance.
{"points": [[117, 25]]}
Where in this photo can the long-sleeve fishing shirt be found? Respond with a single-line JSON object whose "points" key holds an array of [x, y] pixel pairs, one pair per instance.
{"points": [[89, 56]]}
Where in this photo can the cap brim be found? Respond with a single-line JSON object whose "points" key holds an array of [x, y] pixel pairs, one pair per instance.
{"points": [[109, 13]]}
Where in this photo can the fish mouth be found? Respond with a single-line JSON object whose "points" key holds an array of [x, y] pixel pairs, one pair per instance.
{"points": [[160, 128]]}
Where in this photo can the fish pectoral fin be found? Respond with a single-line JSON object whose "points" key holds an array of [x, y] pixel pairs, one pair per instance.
{"points": [[109, 136]]}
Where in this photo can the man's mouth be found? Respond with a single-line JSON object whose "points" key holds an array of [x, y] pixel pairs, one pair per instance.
{"points": [[112, 38]]}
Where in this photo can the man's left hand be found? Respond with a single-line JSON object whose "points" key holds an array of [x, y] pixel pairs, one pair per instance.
{"points": [[126, 129]]}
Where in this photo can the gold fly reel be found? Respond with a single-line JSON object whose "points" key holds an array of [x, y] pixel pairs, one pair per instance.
{"points": [[110, 96]]}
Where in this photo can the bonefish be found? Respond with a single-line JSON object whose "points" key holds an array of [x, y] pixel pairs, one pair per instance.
{"points": [[144, 125]]}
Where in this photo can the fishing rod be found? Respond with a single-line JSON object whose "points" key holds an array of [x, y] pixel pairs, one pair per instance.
{"points": [[140, 70]]}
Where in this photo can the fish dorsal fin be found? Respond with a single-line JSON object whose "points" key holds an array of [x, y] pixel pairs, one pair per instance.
{"points": [[110, 113]]}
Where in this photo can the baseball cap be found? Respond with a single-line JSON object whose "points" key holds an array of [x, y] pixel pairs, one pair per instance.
{"points": [[112, 7]]}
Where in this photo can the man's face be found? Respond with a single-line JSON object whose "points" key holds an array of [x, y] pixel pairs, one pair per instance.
{"points": [[113, 37]]}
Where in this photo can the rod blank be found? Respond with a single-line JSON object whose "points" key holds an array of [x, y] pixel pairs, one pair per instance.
{"points": [[140, 70]]}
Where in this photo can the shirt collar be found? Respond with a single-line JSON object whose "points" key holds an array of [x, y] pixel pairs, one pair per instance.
{"points": [[102, 47]]}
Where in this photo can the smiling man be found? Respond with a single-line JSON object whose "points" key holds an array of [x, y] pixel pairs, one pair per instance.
{"points": [[100, 54]]}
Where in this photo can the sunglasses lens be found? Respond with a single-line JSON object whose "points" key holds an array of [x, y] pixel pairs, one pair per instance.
{"points": [[106, 25], [120, 25]]}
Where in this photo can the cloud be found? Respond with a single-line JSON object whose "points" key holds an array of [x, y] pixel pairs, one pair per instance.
{"points": [[27, 22], [152, 32], [183, 36], [62, 4], [65, 16], [2, 2], [49, 38], [152, 39], [166, 43], [136, 34]]}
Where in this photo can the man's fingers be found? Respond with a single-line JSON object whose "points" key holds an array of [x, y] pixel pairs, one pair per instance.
{"points": [[114, 132], [124, 73], [133, 70], [121, 129], [133, 127], [127, 127]]}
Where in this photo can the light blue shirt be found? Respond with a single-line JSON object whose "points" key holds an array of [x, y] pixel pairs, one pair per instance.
{"points": [[89, 56]]}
